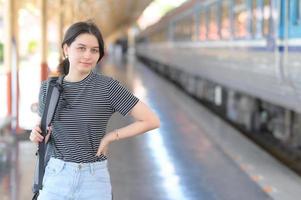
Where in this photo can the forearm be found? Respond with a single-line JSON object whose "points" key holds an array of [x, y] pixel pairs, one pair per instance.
{"points": [[131, 130], [145, 120]]}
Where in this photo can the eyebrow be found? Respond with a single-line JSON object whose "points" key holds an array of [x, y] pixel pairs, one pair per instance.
{"points": [[86, 45]]}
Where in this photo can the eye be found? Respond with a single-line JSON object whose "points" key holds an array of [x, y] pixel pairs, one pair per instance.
{"points": [[95, 50], [81, 48]]}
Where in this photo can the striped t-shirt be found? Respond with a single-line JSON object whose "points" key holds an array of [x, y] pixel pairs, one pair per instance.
{"points": [[82, 115]]}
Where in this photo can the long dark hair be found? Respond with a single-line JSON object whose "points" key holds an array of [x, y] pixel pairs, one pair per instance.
{"points": [[75, 30]]}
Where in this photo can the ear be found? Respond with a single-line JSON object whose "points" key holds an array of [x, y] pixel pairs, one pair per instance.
{"points": [[65, 50]]}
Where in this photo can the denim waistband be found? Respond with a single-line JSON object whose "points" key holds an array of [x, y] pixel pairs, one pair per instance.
{"points": [[81, 166]]}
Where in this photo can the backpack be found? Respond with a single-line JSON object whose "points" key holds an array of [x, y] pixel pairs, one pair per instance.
{"points": [[43, 153]]}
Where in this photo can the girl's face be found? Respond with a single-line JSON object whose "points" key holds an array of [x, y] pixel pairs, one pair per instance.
{"points": [[83, 53]]}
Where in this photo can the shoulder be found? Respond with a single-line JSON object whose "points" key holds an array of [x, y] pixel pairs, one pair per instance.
{"points": [[43, 89], [45, 83], [103, 79], [48, 80]]}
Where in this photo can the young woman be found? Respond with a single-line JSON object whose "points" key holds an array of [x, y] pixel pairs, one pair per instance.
{"points": [[78, 166]]}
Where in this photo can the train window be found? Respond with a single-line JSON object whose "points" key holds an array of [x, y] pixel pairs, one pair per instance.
{"points": [[213, 32], [185, 29], [203, 26], [266, 17], [225, 27], [294, 26], [240, 18], [295, 12], [298, 21]]}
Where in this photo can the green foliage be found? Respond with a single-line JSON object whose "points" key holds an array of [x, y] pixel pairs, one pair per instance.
{"points": [[1, 52], [32, 46]]}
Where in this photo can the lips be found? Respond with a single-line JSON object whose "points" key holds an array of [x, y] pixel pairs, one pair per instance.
{"points": [[86, 64]]}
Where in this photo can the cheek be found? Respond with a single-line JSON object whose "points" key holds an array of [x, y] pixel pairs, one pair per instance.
{"points": [[96, 58], [74, 58]]}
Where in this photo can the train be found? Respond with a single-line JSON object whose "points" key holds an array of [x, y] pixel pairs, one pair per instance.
{"points": [[242, 56]]}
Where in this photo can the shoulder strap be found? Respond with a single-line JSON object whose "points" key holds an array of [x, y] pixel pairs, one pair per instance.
{"points": [[54, 90], [53, 93]]}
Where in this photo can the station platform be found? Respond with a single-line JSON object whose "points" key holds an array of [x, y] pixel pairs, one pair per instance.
{"points": [[194, 155]]}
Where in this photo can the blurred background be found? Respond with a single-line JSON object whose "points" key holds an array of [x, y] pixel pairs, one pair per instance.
{"points": [[223, 76]]}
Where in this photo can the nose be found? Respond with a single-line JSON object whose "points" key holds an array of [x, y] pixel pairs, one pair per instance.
{"points": [[87, 54]]}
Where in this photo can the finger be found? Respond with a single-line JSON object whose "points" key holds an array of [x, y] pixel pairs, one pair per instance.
{"points": [[35, 139], [49, 130], [105, 151], [38, 136], [32, 136], [38, 129], [47, 137], [100, 150]]}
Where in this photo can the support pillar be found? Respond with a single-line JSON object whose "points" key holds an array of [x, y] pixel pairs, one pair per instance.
{"points": [[11, 61], [44, 44]]}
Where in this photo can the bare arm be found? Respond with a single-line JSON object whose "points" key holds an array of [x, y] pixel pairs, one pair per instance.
{"points": [[145, 120]]}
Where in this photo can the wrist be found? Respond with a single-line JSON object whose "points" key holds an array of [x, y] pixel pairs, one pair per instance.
{"points": [[114, 136]]}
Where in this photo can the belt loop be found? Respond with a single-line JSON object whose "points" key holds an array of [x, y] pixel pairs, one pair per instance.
{"points": [[91, 168]]}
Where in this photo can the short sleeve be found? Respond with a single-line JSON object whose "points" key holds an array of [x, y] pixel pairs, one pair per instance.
{"points": [[121, 99], [42, 98]]}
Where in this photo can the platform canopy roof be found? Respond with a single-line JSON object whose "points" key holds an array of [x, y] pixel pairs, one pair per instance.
{"points": [[110, 15]]}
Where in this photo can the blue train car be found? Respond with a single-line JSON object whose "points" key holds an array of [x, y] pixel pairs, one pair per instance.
{"points": [[243, 56]]}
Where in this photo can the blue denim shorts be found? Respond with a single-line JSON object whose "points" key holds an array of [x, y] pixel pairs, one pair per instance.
{"points": [[76, 181]]}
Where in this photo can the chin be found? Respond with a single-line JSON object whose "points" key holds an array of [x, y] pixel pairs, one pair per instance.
{"points": [[85, 70]]}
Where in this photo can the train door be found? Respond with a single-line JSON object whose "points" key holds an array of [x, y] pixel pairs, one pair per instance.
{"points": [[290, 47]]}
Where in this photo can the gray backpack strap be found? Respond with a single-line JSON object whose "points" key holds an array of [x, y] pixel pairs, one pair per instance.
{"points": [[55, 94], [54, 90]]}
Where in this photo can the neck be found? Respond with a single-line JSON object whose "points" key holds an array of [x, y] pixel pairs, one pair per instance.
{"points": [[75, 77]]}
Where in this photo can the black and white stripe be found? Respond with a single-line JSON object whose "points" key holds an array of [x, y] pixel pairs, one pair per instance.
{"points": [[83, 112]]}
